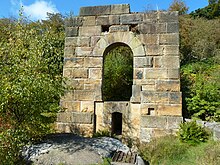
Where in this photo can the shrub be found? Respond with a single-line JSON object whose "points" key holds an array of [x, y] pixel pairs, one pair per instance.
{"points": [[161, 150], [192, 133], [102, 133]]}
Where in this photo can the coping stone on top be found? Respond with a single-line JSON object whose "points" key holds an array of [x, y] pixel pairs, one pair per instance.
{"points": [[105, 10]]}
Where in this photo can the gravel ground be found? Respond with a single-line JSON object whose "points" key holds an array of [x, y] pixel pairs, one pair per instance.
{"points": [[69, 149]]}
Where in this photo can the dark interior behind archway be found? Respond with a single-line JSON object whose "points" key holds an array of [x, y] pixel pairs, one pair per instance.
{"points": [[118, 73]]}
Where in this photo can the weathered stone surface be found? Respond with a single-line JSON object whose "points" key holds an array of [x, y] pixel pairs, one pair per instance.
{"points": [[136, 94], [74, 21], [95, 10], [83, 51], [84, 95], [175, 97], [171, 50], [121, 107], [168, 16], [148, 88], [89, 21], [143, 62], [64, 117], [168, 85], [71, 41], [161, 28], [83, 41], [151, 17], [147, 28], [120, 9], [169, 110], [93, 62], [68, 96], [173, 122], [88, 31], [118, 28], [169, 39], [95, 73], [148, 109], [138, 73], [173, 73], [149, 39], [154, 122], [74, 83], [173, 27], [73, 62], [69, 52], [70, 105], [71, 31], [131, 18], [155, 73], [154, 97], [171, 62], [146, 134], [157, 62], [154, 50], [75, 73], [87, 106], [143, 82]]}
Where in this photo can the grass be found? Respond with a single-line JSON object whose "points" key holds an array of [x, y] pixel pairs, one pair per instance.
{"points": [[170, 151]]}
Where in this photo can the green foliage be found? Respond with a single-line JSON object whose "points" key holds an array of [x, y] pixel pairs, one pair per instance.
{"points": [[159, 150], [118, 74], [102, 133], [30, 64], [180, 6], [192, 133], [209, 12]]}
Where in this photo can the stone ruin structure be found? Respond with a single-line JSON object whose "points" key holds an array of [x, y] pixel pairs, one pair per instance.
{"points": [[155, 107]]}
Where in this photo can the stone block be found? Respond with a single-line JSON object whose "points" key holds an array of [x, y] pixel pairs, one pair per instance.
{"points": [[95, 10], [148, 88], [173, 27], [64, 117], [71, 31], [168, 16], [121, 107], [74, 83], [147, 28], [139, 51], [93, 62], [169, 39], [118, 28], [95, 73], [173, 122], [131, 18], [146, 134], [94, 40], [143, 82], [71, 41], [171, 50], [169, 110], [83, 41], [150, 17], [216, 133], [154, 50], [68, 96], [84, 95], [154, 122], [89, 21], [102, 20], [155, 73], [88, 31], [157, 62], [73, 62], [114, 19], [143, 62], [173, 73], [70, 105], [120, 9], [138, 73], [175, 97], [154, 97], [87, 106], [83, 51], [171, 62], [74, 21], [136, 94], [148, 109], [149, 39], [168, 85], [82, 118], [75, 73], [161, 28], [69, 52]]}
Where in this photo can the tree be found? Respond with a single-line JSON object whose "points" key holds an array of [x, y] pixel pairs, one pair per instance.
{"points": [[179, 5], [31, 85], [118, 74]]}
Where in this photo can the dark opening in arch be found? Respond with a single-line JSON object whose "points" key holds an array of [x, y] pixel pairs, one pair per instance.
{"points": [[117, 73], [116, 123]]}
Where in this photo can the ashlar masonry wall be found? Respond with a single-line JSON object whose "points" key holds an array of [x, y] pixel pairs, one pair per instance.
{"points": [[155, 108]]}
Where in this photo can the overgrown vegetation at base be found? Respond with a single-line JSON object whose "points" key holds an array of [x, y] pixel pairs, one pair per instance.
{"points": [[31, 83], [170, 151]]}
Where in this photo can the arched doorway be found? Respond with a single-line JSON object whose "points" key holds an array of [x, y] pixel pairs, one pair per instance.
{"points": [[117, 73]]}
